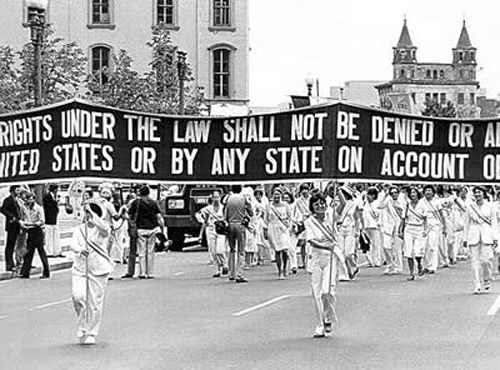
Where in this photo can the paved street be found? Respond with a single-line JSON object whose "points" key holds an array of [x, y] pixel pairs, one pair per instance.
{"points": [[184, 319]]}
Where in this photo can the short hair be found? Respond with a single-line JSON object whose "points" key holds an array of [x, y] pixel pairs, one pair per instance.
{"points": [[372, 191], [13, 188], [419, 194], [430, 187], [316, 197], [480, 188], [236, 189], [258, 191], [53, 187], [144, 191], [393, 187], [289, 193], [303, 186]]}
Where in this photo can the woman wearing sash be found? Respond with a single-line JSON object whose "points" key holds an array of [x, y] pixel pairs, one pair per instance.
{"points": [[481, 238], [301, 213], [90, 272], [348, 223], [371, 221], [292, 249], [216, 243], [436, 228], [277, 230], [413, 229], [323, 266]]}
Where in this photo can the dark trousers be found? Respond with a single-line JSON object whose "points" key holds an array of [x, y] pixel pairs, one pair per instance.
{"points": [[236, 239], [9, 248], [34, 242], [131, 256]]}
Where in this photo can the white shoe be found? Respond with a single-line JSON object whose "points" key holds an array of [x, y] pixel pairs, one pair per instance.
{"points": [[477, 291], [89, 340], [487, 286], [80, 334], [319, 332]]}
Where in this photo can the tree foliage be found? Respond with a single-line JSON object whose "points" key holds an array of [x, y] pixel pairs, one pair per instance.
{"points": [[155, 91], [433, 108]]}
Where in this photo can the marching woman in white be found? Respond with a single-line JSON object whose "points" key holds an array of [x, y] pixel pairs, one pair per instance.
{"points": [[323, 265], [90, 272], [294, 235], [371, 221], [348, 223], [216, 243], [301, 213], [413, 228], [481, 238], [277, 230]]}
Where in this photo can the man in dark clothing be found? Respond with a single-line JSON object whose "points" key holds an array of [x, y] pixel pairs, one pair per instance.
{"points": [[149, 223], [12, 211], [237, 208], [51, 210]]}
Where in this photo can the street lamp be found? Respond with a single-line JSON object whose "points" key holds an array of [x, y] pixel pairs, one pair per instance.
{"points": [[36, 23], [181, 70], [309, 83]]}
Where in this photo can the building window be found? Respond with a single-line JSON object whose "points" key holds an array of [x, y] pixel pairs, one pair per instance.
{"points": [[428, 73], [165, 10], [100, 63], [402, 73], [413, 54], [403, 54], [435, 96], [222, 13], [472, 56], [441, 74], [460, 56], [427, 96], [442, 98], [221, 73], [435, 74], [473, 99], [412, 73], [461, 74], [101, 14], [460, 99]]}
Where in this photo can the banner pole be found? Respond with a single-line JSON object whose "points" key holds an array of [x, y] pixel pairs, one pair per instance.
{"points": [[87, 281], [334, 233]]}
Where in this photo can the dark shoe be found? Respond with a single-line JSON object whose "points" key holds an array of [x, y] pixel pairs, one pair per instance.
{"points": [[352, 275], [231, 278], [431, 272], [216, 275], [225, 271], [24, 277], [127, 276], [150, 277], [294, 270], [60, 256], [421, 272], [410, 278], [44, 277], [241, 280], [328, 327], [111, 278], [142, 277]]}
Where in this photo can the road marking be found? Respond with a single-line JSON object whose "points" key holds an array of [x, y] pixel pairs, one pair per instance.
{"points": [[259, 306], [494, 308], [50, 304], [3, 317], [178, 273]]}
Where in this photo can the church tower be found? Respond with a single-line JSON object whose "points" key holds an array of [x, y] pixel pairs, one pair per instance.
{"points": [[405, 56], [464, 57]]}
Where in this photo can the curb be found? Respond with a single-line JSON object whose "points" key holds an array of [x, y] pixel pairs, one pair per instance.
{"points": [[38, 270]]}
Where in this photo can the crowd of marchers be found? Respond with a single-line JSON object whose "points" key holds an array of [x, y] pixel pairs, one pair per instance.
{"points": [[335, 232]]}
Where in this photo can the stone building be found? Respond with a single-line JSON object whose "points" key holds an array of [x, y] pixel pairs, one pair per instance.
{"points": [[413, 83], [214, 33]]}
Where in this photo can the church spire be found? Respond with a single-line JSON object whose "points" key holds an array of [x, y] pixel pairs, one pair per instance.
{"points": [[404, 38], [464, 40]]}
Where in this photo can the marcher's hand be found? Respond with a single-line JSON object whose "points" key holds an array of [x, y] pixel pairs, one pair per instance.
{"points": [[84, 253]]}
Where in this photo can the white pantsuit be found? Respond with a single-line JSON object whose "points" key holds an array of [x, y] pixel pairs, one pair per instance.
{"points": [[52, 241], [480, 231]]}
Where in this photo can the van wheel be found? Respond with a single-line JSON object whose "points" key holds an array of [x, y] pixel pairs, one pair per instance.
{"points": [[177, 237]]}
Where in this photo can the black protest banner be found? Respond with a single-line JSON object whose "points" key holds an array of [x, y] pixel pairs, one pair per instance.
{"points": [[77, 139], [384, 146]]}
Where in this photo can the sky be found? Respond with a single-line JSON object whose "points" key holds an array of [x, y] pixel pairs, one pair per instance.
{"points": [[337, 41]]}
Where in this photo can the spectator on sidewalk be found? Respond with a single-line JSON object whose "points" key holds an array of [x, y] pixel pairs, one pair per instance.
{"points": [[33, 222], [12, 211], [149, 223], [51, 210], [132, 233]]}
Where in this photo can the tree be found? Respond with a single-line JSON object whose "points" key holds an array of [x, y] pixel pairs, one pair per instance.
{"points": [[63, 72], [157, 90], [433, 108]]}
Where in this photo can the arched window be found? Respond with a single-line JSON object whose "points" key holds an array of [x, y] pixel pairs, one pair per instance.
{"points": [[221, 73], [100, 63]]}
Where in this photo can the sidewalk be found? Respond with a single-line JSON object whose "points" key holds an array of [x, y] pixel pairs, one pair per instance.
{"points": [[54, 263]]}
